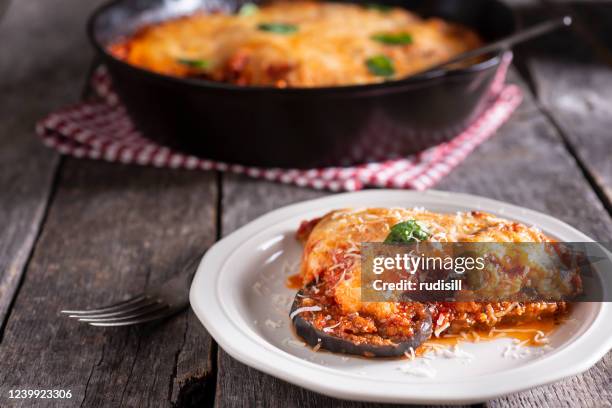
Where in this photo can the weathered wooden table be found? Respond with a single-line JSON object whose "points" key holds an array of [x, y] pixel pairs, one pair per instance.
{"points": [[77, 232]]}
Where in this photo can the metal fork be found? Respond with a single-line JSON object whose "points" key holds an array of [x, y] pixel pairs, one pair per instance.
{"points": [[166, 300]]}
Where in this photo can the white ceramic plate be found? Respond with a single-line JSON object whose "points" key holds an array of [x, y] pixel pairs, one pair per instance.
{"points": [[239, 295]]}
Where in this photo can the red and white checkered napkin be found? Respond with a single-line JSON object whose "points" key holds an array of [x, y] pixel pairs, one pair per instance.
{"points": [[103, 130]]}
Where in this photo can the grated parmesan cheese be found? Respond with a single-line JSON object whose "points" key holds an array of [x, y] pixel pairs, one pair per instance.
{"points": [[410, 354], [330, 328], [441, 329], [455, 352], [257, 288], [293, 343], [304, 309], [423, 370], [273, 324]]}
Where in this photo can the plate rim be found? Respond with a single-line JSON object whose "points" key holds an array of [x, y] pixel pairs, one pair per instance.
{"points": [[208, 309]]}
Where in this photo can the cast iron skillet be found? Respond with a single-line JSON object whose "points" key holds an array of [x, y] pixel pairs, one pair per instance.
{"points": [[305, 127]]}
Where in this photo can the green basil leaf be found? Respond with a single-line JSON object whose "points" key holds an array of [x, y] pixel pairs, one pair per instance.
{"points": [[393, 38], [407, 231], [380, 65], [278, 28], [248, 9], [195, 63], [379, 7]]}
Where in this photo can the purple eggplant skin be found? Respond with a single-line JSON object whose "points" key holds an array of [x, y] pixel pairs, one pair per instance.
{"points": [[314, 336]]}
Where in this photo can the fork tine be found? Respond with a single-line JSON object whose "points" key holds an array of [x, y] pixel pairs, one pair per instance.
{"points": [[133, 307], [155, 307], [109, 308], [160, 314]]}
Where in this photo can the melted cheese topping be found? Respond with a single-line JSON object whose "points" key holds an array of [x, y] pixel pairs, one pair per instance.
{"points": [[329, 46], [332, 255], [334, 240]]}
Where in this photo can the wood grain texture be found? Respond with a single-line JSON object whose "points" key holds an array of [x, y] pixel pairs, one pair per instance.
{"points": [[111, 232], [237, 384], [571, 72], [527, 164], [569, 79], [31, 85]]}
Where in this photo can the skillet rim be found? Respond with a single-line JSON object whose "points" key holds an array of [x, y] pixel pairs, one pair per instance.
{"points": [[382, 87]]}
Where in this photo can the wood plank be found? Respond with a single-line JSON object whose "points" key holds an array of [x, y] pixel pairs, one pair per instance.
{"points": [[580, 99], [569, 80], [31, 85], [588, 390], [572, 76], [113, 230], [526, 164]]}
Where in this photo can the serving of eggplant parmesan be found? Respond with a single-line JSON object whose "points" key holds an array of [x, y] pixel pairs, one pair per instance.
{"points": [[296, 44], [328, 311]]}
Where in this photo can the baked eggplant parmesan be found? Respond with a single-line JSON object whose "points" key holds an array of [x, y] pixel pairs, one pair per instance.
{"points": [[329, 313], [296, 44]]}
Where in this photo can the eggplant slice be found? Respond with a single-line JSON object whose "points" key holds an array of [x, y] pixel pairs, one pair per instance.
{"points": [[313, 337]]}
